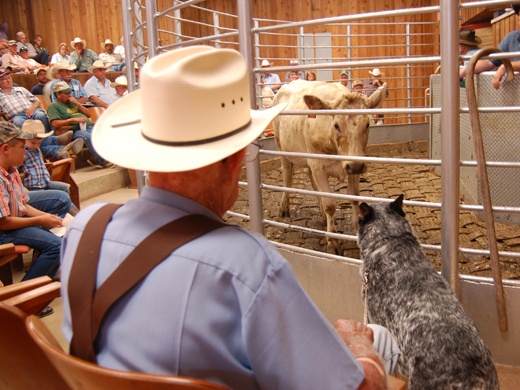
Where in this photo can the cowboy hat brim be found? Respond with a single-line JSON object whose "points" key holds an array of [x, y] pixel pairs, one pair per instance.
{"points": [[474, 43], [375, 74], [118, 138], [73, 43], [44, 135]]}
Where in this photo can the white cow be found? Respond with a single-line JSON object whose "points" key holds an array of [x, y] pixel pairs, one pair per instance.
{"points": [[323, 134]]}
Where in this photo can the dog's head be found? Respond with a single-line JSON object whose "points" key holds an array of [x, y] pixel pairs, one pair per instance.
{"points": [[382, 218]]}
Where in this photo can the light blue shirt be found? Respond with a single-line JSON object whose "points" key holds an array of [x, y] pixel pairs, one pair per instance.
{"points": [[94, 87], [225, 307], [77, 90], [510, 43]]}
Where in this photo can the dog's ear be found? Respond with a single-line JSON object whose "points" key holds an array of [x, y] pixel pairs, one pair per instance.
{"points": [[366, 213], [397, 205]]}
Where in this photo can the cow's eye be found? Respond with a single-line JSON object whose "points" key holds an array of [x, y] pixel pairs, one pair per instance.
{"points": [[336, 126]]}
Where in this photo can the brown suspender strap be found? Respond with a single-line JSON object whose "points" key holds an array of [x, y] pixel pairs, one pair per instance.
{"points": [[148, 254], [82, 278]]}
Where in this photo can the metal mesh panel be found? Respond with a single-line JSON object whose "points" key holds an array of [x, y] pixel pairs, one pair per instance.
{"points": [[501, 135]]}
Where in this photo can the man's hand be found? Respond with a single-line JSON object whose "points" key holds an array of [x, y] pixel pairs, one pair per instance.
{"points": [[49, 221], [499, 74]]}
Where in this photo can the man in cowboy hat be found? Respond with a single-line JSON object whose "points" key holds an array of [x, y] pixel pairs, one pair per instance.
{"points": [[26, 219], [468, 43], [98, 88], [81, 56], [240, 304], [65, 70], [272, 80], [113, 61], [370, 86], [120, 84]]}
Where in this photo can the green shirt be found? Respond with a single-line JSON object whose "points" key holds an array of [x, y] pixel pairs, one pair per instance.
{"points": [[58, 110]]}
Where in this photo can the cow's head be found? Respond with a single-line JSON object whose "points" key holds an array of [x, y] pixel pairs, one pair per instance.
{"points": [[349, 133]]}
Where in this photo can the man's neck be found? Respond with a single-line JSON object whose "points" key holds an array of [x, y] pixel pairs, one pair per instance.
{"points": [[6, 90]]}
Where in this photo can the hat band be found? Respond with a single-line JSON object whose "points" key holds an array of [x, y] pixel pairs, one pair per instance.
{"points": [[186, 143]]}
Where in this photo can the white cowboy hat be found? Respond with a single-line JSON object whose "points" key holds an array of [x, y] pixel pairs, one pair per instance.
{"points": [[98, 64], [375, 72], [78, 40], [121, 80], [62, 65], [193, 108], [265, 64], [107, 42], [36, 127]]}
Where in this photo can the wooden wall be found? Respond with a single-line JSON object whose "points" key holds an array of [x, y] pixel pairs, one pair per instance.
{"points": [[96, 20]]}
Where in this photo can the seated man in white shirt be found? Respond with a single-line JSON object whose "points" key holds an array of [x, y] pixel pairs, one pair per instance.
{"points": [[98, 88]]}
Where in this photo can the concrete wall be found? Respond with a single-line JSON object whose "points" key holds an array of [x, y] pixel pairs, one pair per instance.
{"points": [[335, 286]]}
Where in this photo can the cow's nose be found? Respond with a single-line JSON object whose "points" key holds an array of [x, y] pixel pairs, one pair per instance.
{"points": [[356, 168]]}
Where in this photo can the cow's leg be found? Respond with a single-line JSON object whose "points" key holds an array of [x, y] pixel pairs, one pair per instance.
{"points": [[315, 188], [328, 205], [353, 189], [287, 172]]}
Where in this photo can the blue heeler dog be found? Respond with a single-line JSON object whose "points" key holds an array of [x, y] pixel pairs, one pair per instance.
{"points": [[440, 345]]}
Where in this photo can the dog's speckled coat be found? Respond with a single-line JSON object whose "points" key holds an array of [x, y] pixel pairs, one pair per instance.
{"points": [[440, 345]]}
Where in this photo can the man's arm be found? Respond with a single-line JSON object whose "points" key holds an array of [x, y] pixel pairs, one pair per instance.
{"points": [[359, 339], [501, 71], [480, 66], [34, 218], [96, 100], [84, 110]]}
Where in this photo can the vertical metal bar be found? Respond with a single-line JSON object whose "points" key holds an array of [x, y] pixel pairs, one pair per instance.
{"points": [[408, 71], [127, 29], [151, 28], [216, 28], [252, 161], [178, 25], [450, 141], [349, 51]]}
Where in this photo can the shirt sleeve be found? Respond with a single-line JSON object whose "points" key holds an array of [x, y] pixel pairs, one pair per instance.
{"points": [[52, 112]]}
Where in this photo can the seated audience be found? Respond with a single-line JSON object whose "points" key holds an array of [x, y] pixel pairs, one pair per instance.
{"points": [[121, 86], [311, 76], [13, 60], [41, 77], [65, 70], [272, 80], [98, 88], [21, 222], [36, 51], [112, 61], [37, 176], [18, 104], [293, 75], [61, 55], [299, 75], [343, 78], [29, 62], [68, 111], [357, 86], [81, 56], [52, 147], [232, 314]]}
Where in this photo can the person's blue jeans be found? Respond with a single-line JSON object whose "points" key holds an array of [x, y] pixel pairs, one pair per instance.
{"points": [[39, 114], [118, 67], [47, 243], [86, 136], [50, 201], [50, 147]]}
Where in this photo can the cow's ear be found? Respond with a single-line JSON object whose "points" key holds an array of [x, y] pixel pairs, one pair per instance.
{"points": [[366, 213], [377, 97], [397, 205], [315, 103]]}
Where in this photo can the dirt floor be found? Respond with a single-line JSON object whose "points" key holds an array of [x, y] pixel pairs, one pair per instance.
{"points": [[384, 181]]}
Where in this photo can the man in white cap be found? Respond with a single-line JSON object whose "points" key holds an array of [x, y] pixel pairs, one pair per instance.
{"points": [[41, 77], [112, 61], [272, 80], [226, 306], [98, 88], [65, 70], [343, 78], [13, 61], [81, 56]]}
